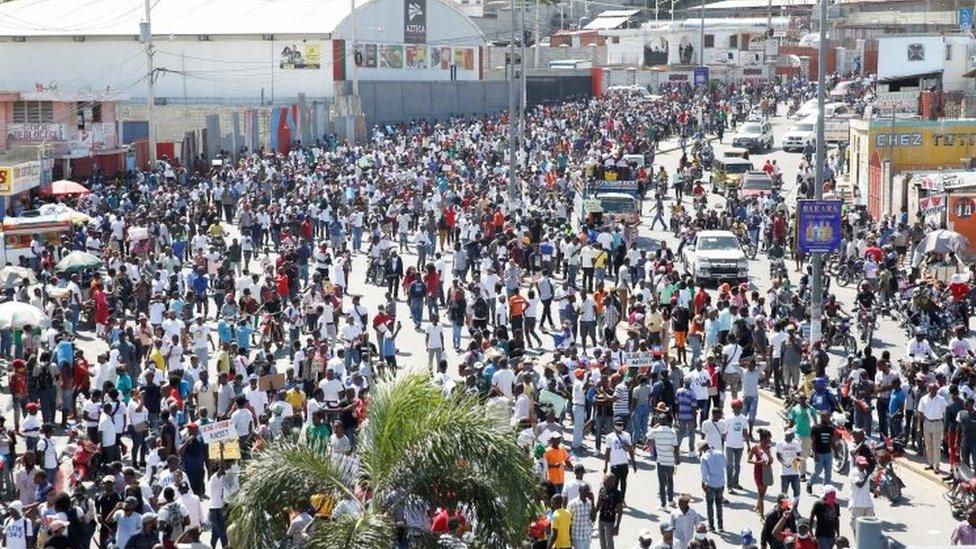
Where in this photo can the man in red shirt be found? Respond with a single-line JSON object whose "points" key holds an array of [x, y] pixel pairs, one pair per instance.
{"points": [[874, 252], [516, 310]]}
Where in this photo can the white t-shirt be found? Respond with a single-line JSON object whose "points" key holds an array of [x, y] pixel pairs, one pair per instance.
{"points": [[504, 380], [617, 444], [789, 451], [107, 431], [242, 420], [435, 336], [713, 431], [17, 531], [331, 390], [736, 424]]}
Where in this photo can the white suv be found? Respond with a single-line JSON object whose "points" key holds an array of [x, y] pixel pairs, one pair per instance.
{"points": [[716, 256]]}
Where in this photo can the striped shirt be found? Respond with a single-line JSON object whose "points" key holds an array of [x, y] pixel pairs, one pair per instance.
{"points": [[621, 401], [665, 439], [686, 402]]}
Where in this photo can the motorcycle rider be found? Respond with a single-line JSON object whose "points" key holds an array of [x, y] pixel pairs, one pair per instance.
{"points": [[822, 399]]}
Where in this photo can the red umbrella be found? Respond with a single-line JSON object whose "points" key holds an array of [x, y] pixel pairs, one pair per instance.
{"points": [[64, 187]]}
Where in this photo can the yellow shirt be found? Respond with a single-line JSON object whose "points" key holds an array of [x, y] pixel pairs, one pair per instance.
{"points": [[156, 355], [600, 259], [296, 398], [562, 521]]}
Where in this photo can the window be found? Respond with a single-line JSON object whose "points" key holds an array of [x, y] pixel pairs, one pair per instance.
{"points": [[88, 113], [709, 40], [33, 112], [615, 40], [734, 41]]}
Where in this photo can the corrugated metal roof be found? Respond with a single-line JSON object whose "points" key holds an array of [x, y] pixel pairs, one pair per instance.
{"points": [[605, 23], [176, 17], [743, 4]]}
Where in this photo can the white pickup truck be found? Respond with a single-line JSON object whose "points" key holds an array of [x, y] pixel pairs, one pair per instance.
{"points": [[716, 256]]}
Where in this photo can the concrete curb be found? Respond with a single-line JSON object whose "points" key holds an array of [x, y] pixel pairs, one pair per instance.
{"points": [[917, 468]]}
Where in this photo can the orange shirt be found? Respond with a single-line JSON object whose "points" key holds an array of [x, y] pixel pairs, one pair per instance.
{"points": [[556, 459], [517, 305], [598, 297]]}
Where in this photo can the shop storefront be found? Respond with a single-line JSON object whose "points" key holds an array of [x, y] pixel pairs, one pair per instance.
{"points": [[18, 180], [882, 148]]}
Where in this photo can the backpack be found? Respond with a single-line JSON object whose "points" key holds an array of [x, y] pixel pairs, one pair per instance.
{"points": [[44, 379], [173, 526]]}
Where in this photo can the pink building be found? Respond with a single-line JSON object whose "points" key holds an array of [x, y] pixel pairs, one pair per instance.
{"points": [[80, 129]]}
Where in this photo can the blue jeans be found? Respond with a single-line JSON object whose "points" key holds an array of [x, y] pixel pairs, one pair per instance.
{"points": [[790, 481], [751, 407], [417, 310], [357, 238], [605, 530], [601, 423], [456, 334], [733, 466], [665, 483], [638, 428], [218, 528], [822, 462]]}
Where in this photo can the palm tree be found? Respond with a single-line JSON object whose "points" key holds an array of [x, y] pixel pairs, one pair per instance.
{"points": [[416, 448]]}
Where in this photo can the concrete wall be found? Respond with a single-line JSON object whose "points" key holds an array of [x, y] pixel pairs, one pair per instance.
{"points": [[495, 56], [386, 102], [238, 69]]}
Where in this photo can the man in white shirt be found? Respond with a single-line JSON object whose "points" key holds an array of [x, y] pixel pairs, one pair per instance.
{"points": [[860, 503], [775, 357], [504, 379], [715, 430], [619, 453], [919, 348], [435, 342], [108, 434], [580, 385], [257, 398], [787, 453], [17, 529], [243, 420], [736, 441], [932, 409], [732, 372]]}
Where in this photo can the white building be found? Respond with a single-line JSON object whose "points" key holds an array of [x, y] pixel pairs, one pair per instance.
{"points": [[730, 44], [233, 51]]}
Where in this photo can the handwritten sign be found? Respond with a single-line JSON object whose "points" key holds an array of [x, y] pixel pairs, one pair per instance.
{"points": [[224, 450], [638, 359], [272, 382], [550, 398], [218, 431]]}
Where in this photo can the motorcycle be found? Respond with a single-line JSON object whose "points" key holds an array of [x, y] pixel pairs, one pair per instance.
{"points": [[885, 482], [962, 496], [842, 448], [849, 271], [838, 333]]}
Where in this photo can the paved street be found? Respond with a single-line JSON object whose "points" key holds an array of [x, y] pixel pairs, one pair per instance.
{"points": [[922, 518]]}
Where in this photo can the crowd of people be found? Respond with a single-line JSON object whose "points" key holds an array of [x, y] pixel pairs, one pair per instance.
{"points": [[227, 295]]}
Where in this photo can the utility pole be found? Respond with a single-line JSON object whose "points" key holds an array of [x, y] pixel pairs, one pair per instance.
{"points": [[513, 192], [535, 43], [769, 20], [145, 36], [522, 71], [355, 69], [816, 279], [701, 36]]}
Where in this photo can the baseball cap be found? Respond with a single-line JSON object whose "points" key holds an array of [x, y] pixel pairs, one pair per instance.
{"points": [[645, 535]]}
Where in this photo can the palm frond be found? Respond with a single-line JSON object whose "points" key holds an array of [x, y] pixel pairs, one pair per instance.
{"points": [[283, 475], [371, 530], [451, 454]]}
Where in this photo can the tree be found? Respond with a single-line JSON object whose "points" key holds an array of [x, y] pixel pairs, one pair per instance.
{"points": [[416, 447]]}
